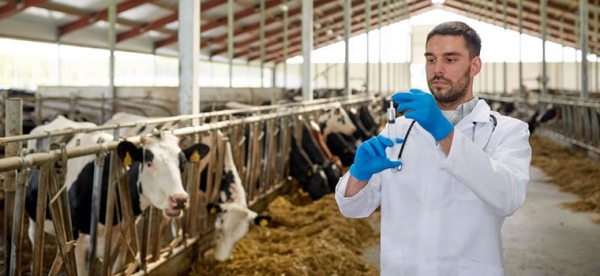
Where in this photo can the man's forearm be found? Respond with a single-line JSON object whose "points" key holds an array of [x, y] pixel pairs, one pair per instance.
{"points": [[354, 186]]}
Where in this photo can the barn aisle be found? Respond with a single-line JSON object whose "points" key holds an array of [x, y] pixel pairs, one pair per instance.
{"points": [[544, 238]]}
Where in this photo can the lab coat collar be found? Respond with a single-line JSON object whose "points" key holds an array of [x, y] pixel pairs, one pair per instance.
{"points": [[480, 114]]}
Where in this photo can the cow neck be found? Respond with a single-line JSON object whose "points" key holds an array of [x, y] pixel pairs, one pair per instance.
{"points": [[323, 129], [143, 201]]}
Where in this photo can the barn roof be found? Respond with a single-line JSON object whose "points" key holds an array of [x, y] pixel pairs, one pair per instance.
{"points": [[150, 26]]}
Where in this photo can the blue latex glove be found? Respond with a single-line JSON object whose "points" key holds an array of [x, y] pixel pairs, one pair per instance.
{"points": [[423, 109], [370, 157]]}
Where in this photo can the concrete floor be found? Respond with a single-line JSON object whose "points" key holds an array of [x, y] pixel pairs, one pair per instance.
{"points": [[543, 239]]}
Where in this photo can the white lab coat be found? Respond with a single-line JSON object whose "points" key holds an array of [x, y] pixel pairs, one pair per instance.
{"points": [[441, 215]]}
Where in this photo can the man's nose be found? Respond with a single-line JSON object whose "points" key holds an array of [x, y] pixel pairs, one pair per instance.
{"points": [[439, 69]]}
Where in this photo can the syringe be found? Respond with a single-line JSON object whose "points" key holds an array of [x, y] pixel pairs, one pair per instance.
{"points": [[391, 119]]}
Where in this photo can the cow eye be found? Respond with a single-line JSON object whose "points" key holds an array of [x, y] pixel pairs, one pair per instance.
{"points": [[149, 164]]}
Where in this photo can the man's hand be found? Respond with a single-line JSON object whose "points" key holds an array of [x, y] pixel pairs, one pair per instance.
{"points": [[422, 108], [370, 158]]}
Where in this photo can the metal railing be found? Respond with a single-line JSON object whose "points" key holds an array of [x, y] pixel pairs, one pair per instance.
{"points": [[263, 169], [579, 122]]}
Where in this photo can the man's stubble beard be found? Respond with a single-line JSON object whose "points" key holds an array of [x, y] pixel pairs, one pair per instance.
{"points": [[456, 92]]}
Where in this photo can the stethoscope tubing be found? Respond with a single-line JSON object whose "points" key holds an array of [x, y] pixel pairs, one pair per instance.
{"points": [[399, 168]]}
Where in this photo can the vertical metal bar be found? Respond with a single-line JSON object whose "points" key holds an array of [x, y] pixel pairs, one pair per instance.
{"points": [[58, 64], [560, 76], [521, 92], [95, 215], [596, 41], [262, 43], [347, 14], [60, 220], [583, 17], [112, 36], [543, 14], [17, 227], [379, 7], [577, 43], [388, 65], [193, 183], [13, 126], [495, 76], [504, 65], [230, 31], [38, 249], [367, 30], [285, 41], [189, 57], [110, 207], [409, 42], [307, 46]]}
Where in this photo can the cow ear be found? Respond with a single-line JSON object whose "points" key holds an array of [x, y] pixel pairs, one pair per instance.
{"points": [[337, 111], [196, 152], [129, 152]]}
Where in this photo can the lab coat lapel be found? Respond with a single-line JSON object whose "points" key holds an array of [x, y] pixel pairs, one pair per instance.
{"points": [[480, 114]]}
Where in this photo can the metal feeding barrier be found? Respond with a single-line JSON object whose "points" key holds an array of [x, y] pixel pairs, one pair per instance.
{"points": [[579, 122], [139, 243]]}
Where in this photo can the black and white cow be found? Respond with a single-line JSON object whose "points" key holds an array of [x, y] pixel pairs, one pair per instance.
{"points": [[154, 179], [59, 123], [550, 116], [124, 117], [317, 156], [338, 130], [233, 215]]}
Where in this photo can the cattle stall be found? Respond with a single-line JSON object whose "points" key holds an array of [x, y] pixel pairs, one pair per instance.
{"points": [[564, 117], [577, 122], [260, 139]]}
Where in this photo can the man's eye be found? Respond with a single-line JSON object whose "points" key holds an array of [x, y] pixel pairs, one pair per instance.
{"points": [[450, 60], [430, 60]]}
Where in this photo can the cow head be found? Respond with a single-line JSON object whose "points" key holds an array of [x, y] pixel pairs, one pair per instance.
{"points": [[337, 120], [233, 216], [160, 163]]}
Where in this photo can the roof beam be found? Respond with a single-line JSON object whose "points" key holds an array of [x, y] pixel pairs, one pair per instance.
{"points": [[147, 27], [295, 35], [222, 22], [98, 16], [294, 27], [357, 28], [531, 19], [159, 23], [256, 26], [11, 9], [530, 26]]}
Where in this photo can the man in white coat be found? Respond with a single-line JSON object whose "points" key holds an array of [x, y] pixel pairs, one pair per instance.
{"points": [[464, 169]]}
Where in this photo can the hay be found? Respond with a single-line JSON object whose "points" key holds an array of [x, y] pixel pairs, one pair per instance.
{"points": [[571, 171], [313, 239]]}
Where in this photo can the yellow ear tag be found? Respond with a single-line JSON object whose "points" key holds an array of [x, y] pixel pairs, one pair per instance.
{"points": [[195, 157], [213, 210], [127, 159], [263, 222], [309, 173]]}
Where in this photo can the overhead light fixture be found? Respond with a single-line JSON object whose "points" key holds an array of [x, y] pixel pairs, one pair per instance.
{"points": [[317, 26], [437, 1], [283, 7], [329, 32]]}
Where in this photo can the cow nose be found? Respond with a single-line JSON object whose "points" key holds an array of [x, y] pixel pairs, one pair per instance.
{"points": [[179, 201]]}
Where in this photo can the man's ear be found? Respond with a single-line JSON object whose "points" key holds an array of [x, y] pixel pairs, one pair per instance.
{"points": [[129, 152], [476, 64]]}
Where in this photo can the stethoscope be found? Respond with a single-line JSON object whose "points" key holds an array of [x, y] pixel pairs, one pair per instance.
{"points": [[492, 119]]}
